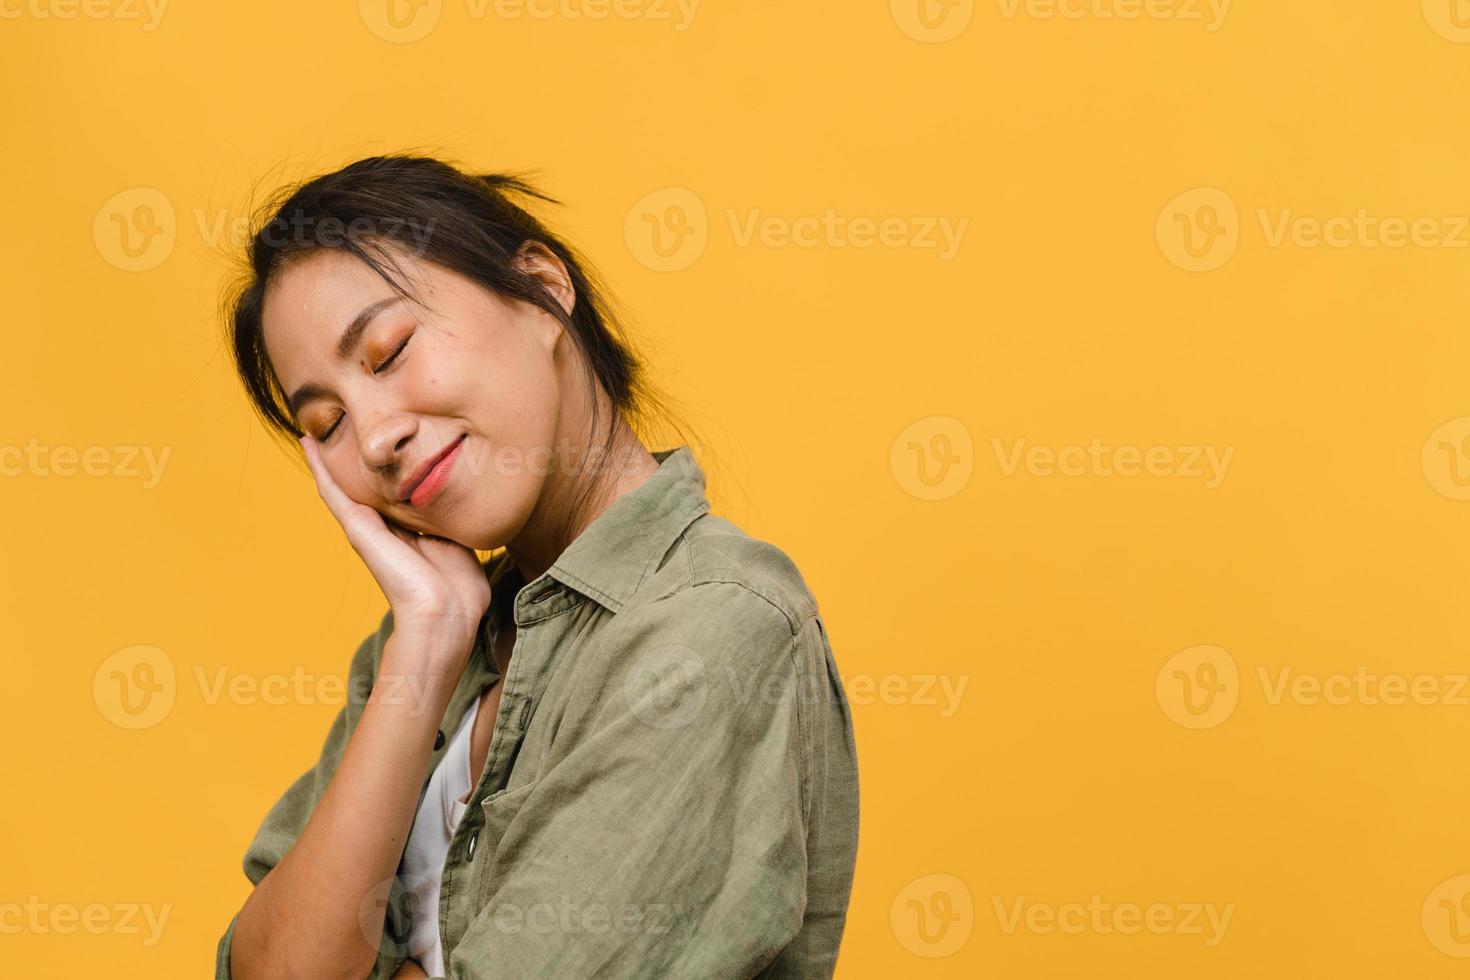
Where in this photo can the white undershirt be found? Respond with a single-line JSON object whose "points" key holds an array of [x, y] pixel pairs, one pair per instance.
{"points": [[423, 859]]}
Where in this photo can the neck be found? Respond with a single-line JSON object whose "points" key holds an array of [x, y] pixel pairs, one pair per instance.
{"points": [[568, 505]]}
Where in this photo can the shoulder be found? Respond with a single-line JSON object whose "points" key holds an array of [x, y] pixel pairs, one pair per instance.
{"points": [[714, 560], [718, 597]]}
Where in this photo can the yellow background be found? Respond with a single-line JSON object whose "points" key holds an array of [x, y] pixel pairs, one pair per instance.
{"points": [[1072, 146]]}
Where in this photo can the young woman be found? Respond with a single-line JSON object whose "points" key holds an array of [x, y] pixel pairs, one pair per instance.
{"points": [[619, 747]]}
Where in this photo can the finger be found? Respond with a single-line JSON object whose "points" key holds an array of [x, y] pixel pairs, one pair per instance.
{"points": [[404, 532], [363, 525], [336, 500], [391, 552], [408, 537], [450, 556]]}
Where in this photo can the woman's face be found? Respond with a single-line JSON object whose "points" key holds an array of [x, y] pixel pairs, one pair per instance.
{"points": [[440, 416]]}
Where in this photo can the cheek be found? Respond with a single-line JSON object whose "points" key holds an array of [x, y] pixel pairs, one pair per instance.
{"points": [[530, 395], [443, 382], [517, 417], [510, 394]]}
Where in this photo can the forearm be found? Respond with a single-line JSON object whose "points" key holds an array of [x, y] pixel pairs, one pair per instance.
{"points": [[311, 916]]}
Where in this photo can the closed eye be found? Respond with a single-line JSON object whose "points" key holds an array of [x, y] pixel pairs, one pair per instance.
{"points": [[393, 356], [336, 424]]}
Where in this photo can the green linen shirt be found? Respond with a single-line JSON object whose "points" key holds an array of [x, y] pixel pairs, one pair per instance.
{"points": [[672, 787]]}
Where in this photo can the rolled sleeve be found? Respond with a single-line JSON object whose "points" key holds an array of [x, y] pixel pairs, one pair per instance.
{"points": [[667, 838]]}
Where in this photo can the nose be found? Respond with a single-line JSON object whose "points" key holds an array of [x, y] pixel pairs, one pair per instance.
{"points": [[385, 440]]}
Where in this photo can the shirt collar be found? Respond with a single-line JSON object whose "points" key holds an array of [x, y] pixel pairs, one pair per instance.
{"points": [[610, 558]]}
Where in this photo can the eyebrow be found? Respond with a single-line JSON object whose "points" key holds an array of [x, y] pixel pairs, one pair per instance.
{"points": [[346, 344]]}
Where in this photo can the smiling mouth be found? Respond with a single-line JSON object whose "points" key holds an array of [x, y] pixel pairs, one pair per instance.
{"points": [[430, 478]]}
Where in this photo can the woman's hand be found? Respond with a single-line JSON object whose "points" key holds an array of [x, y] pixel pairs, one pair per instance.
{"points": [[436, 587]]}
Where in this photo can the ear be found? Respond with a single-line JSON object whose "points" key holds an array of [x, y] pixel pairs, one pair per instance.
{"points": [[538, 261]]}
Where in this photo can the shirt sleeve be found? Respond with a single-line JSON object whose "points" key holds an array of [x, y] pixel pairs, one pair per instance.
{"points": [[667, 836], [287, 818]]}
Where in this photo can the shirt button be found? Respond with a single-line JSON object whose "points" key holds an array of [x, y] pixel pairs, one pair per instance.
{"points": [[473, 837], [439, 739]]}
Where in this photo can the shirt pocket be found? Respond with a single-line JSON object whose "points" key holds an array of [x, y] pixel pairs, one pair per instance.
{"points": [[500, 810]]}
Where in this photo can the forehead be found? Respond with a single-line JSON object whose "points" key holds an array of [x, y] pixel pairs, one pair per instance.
{"points": [[312, 301], [314, 292]]}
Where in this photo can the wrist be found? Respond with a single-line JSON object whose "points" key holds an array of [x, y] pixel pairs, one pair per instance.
{"points": [[437, 628], [424, 668]]}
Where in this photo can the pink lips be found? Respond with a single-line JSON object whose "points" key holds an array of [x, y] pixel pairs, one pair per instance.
{"points": [[435, 480]]}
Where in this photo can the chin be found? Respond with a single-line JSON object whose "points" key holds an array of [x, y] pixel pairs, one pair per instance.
{"points": [[477, 542], [484, 535]]}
